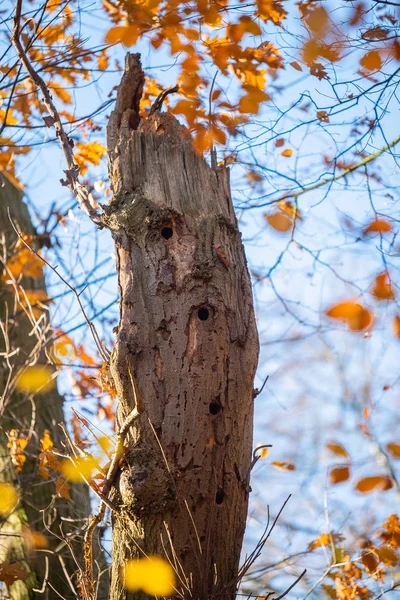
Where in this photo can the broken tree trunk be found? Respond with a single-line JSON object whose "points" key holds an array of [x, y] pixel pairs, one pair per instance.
{"points": [[185, 355]]}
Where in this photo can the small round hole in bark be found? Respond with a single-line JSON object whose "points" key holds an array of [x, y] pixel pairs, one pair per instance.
{"points": [[167, 232], [203, 313], [219, 496], [214, 408]]}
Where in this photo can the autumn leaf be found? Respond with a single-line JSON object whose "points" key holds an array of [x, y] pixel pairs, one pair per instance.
{"points": [[87, 154], [376, 483], [388, 556], [62, 488], [323, 540], [8, 499], [322, 116], [370, 561], [279, 221], [354, 314], [36, 380], [279, 142], [371, 61], [79, 469], [337, 449], [339, 475], [152, 574], [34, 539], [396, 325], [393, 449], [25, 262], [296, 66], [287, 152], [378, 226], [12, 572], [125, 34], [283, 465], [383, 289]]}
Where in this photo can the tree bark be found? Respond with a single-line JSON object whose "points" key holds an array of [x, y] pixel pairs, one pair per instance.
{"points": [[187, 342], [34, 415]]}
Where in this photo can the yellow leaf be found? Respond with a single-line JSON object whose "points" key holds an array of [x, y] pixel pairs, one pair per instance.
{"points": [[8, 499], [152, 574], [377, 483], [46, 442], [339, 474], [79, 468], [36, 380]]}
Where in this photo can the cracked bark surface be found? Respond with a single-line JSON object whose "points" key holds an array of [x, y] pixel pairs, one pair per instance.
{"points": [[187, 335]]}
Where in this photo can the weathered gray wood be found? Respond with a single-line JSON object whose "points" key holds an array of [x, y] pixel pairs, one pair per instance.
{"points": [[187, 336]]}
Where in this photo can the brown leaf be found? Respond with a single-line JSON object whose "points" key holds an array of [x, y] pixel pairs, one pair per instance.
{"points": [[393, 449], [339, 474], [370, 561], [296, 66], [322, 116], [337, 449]]}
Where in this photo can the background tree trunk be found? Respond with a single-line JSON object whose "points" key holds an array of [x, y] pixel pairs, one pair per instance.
{"points": [[187, 340], [34, 414]]}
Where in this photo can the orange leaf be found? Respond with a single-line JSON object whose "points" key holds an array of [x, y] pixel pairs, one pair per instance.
{"points": [[396, 326], [378, 483], [383, 289], [371, 61], [126, 34], [378, 226], [283, 465], [279, 221], [337, 449], [287, 152], [339, 474], [279, 142], [355, 315], [323, 540], [393, 449]]}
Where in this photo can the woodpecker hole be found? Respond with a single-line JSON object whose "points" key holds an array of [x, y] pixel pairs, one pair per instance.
{"points": [[219, 496], [203, 313], [214, 408], [167, 232]]}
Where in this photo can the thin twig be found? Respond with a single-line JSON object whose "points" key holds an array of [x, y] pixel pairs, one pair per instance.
{"points": [[72, 172]]}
